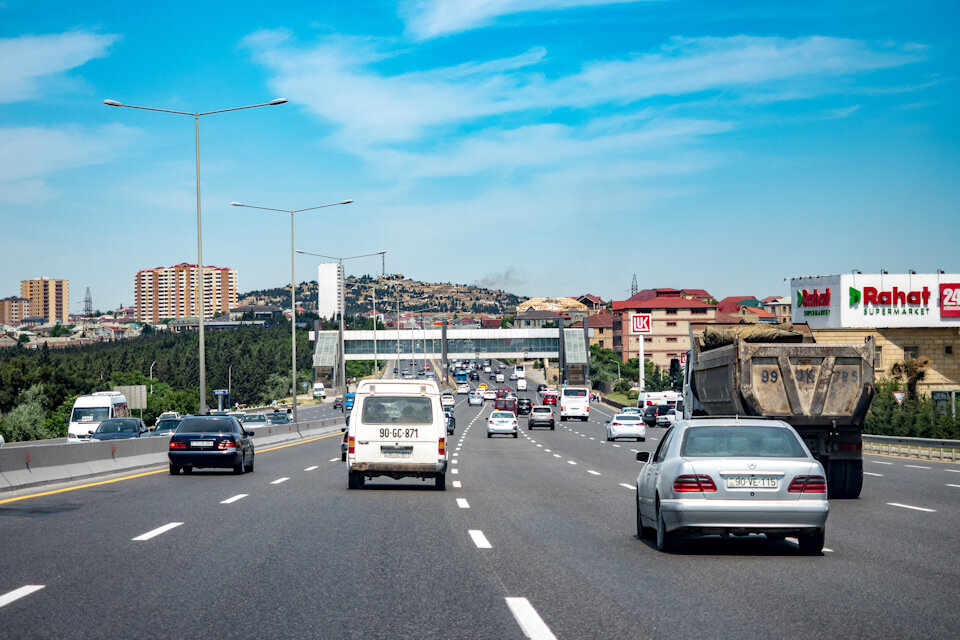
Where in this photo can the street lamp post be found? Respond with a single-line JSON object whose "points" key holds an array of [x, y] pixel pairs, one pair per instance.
{"points": [[293, 293], [199, 286], [343, 309], [151, 376]]}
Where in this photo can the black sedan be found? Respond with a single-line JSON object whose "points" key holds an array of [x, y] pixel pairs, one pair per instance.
{"points": [[451, 421], [120, 429], [524, 406], [211, 441]]}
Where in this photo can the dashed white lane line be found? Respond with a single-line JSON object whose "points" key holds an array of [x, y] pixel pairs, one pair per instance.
{"points": [[16, 594], [312, 468], [916, 466], [479, 539], [556, 455], [279, 480], [907, 506], [953, 470], [454, 471], [627, 486], [955, 486], [592, 472], [156, 532], [547, 450], [880, 462], [334, 460], [239, 496], [615, 445], [455, 455], [540, 445], [571, 462], [876, 475], [455, 461], [529, 620], [462, 503], [457, 484]]}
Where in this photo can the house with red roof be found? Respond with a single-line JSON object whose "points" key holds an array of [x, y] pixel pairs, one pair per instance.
{"points": [[601, 329], [670, 316]]}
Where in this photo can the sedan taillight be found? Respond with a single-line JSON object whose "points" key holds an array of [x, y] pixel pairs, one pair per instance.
{"points": [[694, 484], [178, 444], [223, 445], [808, 484]]}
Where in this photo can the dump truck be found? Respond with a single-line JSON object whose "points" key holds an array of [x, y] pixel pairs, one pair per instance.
{"points": [[822, 390]]}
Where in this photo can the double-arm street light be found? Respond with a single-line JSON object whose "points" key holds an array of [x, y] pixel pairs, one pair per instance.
{"points": [[293, 284], [343, 310], [199, 290]]}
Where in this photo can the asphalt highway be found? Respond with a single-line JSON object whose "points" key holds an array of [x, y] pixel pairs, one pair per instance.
{"points": [[534, 537]]}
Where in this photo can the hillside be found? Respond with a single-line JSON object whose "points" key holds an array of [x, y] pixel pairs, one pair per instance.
{"points": [[413, 295]]}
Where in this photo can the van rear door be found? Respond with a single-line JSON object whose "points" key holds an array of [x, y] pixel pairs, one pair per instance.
{"points": [[398, 429]]}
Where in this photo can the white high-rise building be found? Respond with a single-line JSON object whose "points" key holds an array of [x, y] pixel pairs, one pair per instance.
{"points": [[329, 289]]}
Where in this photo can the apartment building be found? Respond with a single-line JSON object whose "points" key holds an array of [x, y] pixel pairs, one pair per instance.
{"points": [[670, 314], [601, 330], [170, 292], [13, 310], [49, 298]]}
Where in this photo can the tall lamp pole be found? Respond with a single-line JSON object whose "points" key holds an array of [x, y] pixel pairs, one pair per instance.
{"points": [[293, 285], [199, 285]]}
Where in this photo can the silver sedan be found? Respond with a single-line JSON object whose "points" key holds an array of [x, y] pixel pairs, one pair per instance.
{"points": [[728, 476]]}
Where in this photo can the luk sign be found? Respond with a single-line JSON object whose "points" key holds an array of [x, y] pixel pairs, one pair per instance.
{"points": [[640, 323]]}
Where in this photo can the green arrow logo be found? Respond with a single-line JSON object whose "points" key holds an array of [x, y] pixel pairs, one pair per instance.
{"points": [[854, 296], [799, 298]]}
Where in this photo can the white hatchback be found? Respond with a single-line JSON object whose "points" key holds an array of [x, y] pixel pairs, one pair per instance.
{"points": [[626, 425], [502, 422]]}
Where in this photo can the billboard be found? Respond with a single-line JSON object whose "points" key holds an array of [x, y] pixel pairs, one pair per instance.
{"points": [[884, 300]]}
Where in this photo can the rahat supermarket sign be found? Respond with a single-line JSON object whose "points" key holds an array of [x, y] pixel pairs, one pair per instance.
{"points": [[877, 300]]}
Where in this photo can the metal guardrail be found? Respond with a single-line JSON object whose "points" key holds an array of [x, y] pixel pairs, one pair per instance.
{"points": [[928, 448]]}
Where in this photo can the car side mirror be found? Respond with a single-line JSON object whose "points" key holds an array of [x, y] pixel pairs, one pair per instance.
{"points": [[607, 422], [250, 433], [643, 456]]}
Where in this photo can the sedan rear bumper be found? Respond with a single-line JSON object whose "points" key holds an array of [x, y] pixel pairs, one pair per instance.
{"points": [[751, 515], [221, 459]]}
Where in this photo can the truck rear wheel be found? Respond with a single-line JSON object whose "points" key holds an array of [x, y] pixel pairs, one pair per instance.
{"points": [[845, 478]]}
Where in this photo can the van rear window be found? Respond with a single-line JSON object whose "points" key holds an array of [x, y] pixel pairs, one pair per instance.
{"points": [[575, 393], [397, 410]]}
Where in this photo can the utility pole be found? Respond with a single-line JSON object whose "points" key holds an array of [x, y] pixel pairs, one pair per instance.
{"points": [[374, 330]]}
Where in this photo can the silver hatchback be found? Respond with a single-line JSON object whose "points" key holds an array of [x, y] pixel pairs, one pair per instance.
{"points": [[735, 476]]}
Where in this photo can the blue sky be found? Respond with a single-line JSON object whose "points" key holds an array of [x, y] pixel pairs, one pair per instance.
{"points": [[547, 147]]}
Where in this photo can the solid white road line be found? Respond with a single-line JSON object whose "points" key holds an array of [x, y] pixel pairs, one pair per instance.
{"points": [[571, 462], [462, 503], [916, 466], [239, 496], [457, 484], [312, 468], [880, 462], [627, 486], [592, 472], [279, 480], [16, 594], [479, 539], [529, 620], [878, 475], [907, 506], [157, 531], [955, 486]]}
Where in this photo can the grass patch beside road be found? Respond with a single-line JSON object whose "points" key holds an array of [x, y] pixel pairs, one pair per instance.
{"points": [[622, 398]]}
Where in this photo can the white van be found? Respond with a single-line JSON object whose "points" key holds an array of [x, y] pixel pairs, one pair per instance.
{"points": [[398, 430], [653, 398], [522, 384], [319, 391], [574, 403], [520, 371], [89, 411]]}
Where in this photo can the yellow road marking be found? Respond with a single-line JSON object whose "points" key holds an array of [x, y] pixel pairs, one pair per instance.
{"points": [[141, 475]]}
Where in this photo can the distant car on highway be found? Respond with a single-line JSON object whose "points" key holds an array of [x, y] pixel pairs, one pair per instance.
{"points": [[550, 399], [499, 377], [463, 388], [447, 401], [165, 426], [475, 398], [523, 406], [278, 417], [487, 369], [171, 415], [736, 476], [502, 422], [338, 402], [482, 386], [251, 419], [632, 411], [120, 429], [653, 411], [489, 394], [211, 441], [522, 384], [626, 425], [541, 416], [451, 421], [667, 419], [473, 375]]}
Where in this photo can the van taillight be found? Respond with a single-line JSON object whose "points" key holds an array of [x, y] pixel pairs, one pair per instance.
{"points": [[442, 447], [694, 484], [350, 444], [808, 484]]}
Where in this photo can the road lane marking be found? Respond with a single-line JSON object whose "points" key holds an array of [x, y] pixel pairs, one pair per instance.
{"points": [[16, 594], [455, 461], [279, 480], [907, 506], [877, 475], [462, 503], [556, 455], [334, 460], [571, 462], [540, 445], [479, 539], [454, 471], [457, 484], [916, 466], [592, 472], [156, 532], [615, 445], [880, 462], [956, 486], [627, 486], [953, 470], [529, 620], [547, 450], [312, 468], [239, 496]]}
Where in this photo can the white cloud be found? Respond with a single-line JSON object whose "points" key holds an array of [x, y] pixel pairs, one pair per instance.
{"points": [[27, 61], [34, 153], [431, 18]]}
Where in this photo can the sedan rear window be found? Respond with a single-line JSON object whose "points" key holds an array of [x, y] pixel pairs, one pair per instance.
{"points": [[740, 442], [397, 410], [207, 425]]}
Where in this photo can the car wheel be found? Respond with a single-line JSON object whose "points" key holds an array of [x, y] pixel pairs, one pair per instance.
{"points": [[666, 541], [240, 467], [552, 427], [174, 469], [515, 434], [440, 482], [489, 435], [563, 418], [811, 543], [353, 480], [343, 457], [642, 531], [250, 466]]}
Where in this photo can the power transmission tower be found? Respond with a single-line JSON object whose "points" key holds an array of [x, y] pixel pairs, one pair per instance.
{"points": [[633, 286], [88, 304]]}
